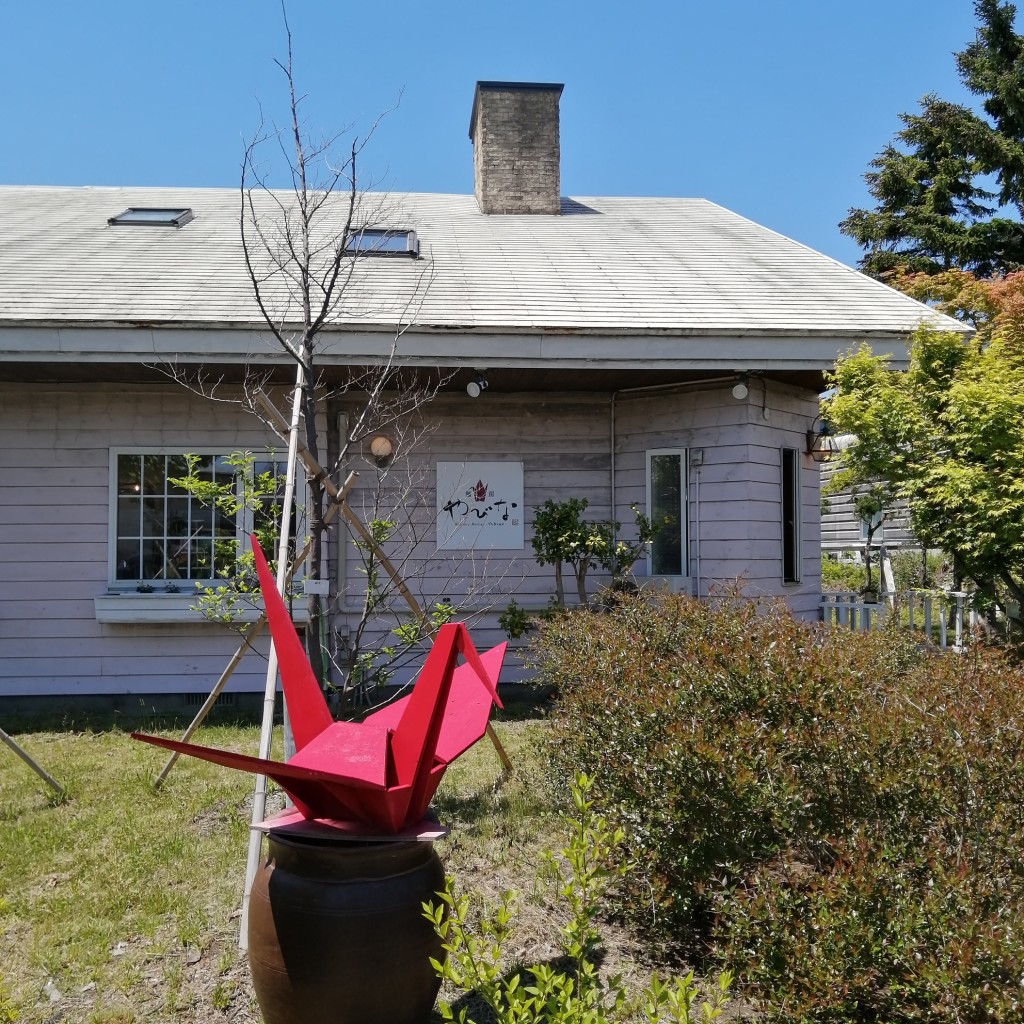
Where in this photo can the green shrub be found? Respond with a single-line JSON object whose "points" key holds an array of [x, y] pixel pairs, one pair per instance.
{"points": [[837, 575], [475, 951], [840, 813], [906, 570]]}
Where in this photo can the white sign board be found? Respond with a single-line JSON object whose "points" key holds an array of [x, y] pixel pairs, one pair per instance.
{"points": [[479, 505]]}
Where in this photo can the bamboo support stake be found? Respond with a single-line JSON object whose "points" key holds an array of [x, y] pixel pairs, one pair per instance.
{"points": [[41, 772]]}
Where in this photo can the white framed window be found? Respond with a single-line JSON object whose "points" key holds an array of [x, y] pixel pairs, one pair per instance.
{"points": [[667, 474], [791, 515], [875, 526], [162, 536]]}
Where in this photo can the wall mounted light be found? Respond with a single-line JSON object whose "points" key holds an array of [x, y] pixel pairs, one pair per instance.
{"points": [[740, 389], [822, 444], [475, 388], [381, 449]]}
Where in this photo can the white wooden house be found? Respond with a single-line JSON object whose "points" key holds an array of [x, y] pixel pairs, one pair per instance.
{"points": [[654, 351]]}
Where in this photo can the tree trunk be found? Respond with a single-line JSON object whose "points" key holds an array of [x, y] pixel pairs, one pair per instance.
{"points": [[314, 641], [581, 584]]}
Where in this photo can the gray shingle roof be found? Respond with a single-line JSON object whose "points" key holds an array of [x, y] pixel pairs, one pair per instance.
{"points": [[606, 266]]}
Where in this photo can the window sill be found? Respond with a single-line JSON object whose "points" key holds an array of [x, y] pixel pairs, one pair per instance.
{"points": [[136, 607]]}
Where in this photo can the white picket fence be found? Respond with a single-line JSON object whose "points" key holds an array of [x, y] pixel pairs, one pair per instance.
{"points": [[944, 618]]}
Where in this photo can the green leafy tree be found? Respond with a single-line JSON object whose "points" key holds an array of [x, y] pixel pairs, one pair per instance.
{"points": [[948, 187], [254, 493], [948, 436], [562, 536]]}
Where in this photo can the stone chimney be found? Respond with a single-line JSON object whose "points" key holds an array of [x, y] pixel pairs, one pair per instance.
{"points": [[514, 128]]}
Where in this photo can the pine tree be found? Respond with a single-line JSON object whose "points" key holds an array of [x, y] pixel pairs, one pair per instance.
{"points": [[950, 187]]}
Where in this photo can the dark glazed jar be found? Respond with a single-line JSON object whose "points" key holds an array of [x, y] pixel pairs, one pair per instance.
{"points": [[337, 933]]}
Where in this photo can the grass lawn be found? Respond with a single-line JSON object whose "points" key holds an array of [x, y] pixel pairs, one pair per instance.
{"points": [[121, 904]]}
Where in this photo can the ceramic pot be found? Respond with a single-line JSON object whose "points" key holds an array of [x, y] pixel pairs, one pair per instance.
{"points": [[337, 933]]}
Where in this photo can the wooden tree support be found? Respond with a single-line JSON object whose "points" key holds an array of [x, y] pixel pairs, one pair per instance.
{"points": [[42, 773]]}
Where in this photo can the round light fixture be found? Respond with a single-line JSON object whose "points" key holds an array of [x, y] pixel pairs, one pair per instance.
{"points": [[740, 391], [475, 388], [381, 447]]}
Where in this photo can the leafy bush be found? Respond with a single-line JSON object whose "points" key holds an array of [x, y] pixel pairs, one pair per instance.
{"points": [[840, 813], [577, 994], [837, 575], [906, 570]]}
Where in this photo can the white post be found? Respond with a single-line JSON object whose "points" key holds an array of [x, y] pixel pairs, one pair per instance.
{"points": [[259, 802]]}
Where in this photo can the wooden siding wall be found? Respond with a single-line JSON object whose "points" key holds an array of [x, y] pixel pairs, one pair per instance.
{"points": [[740, 481], [564, 443], [841, 526], [54, 507]]}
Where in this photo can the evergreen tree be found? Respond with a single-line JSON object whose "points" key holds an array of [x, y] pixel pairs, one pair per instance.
{"points": [[950, 188]]}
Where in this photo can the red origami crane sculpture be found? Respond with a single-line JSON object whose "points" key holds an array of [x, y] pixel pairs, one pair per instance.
{"points": [[381, 772]]}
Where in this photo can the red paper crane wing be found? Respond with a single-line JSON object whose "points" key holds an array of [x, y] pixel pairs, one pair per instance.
{"points": [[307, 709], [385, 770], [415, 740], [467, 710], [317, 792]]}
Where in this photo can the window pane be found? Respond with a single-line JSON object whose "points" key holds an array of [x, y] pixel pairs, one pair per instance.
{"points": [[790, 515], [129, 523], [129, 474], [152, 560], [667, 509], [176, 559], [128, 560], [177, 517], [201, 518], [153, 480], [152, 517], [201, 556], [177, 469]]}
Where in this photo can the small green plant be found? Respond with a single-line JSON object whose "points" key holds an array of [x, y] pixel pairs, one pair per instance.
{"points": [[836, 575], [515, 621], [257, 495], [584, 871], [223, 992], [8, 1014], [562, 536]]}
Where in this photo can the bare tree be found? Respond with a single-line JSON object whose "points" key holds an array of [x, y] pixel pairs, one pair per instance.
{"points": [[302, 250]]}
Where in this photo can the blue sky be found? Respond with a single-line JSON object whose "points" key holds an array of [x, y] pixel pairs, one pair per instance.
{"points": [[772, 108]]}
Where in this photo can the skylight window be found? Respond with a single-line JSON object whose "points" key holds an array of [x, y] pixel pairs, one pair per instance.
{"points": [[160, 216], [383, 242]]}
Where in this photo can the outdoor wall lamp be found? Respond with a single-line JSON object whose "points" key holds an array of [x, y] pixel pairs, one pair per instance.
{"points": [[475, 388], [740, 389], [381, 449], [821, 440]]}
